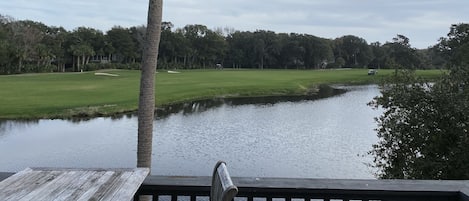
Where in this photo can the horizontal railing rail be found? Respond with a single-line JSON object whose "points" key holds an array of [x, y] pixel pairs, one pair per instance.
{"points": [[288, 189], [176, 188]]}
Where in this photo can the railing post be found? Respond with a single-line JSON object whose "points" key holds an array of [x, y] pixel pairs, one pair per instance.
{"points": [[174, 197]]}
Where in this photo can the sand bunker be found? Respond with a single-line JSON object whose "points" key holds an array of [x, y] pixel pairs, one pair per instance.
{"points": [[106, 74], [170, 71]]}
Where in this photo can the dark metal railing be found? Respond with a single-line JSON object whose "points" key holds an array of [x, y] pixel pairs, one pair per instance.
{"points": [[288, 189], [167, 188]]}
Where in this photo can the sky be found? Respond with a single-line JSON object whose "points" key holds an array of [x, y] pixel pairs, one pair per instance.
{"points": [[422, 21]]}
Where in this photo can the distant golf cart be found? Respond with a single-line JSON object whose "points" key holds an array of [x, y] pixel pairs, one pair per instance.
{"points": [[372, 72]]}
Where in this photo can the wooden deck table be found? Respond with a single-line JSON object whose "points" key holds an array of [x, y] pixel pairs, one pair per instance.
{"points": [[72, 184]]}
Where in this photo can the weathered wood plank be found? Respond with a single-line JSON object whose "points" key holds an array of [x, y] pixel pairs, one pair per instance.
{"points": [[72, 184], [80, 186], [43, 191], [93, 188], [117, 187], [12, 180], [128, 188], [110, 185], [68, 182], [49, 190], [24, 185], [10, 186]]}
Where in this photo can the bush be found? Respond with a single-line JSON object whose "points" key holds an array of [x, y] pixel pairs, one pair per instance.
{"points": [[423, 133]]}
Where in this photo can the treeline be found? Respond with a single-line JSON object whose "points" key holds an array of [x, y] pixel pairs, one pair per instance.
{"points": [[28, 46]]}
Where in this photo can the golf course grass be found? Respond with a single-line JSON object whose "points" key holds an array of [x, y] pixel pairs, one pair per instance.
{"points": [[104, 93]]}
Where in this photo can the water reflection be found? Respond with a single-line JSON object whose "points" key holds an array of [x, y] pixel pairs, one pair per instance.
{"points": [[7, 125], [323, 91]]}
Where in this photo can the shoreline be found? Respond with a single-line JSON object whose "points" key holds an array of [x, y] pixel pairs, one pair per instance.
{"points": [[85, 95], [313, 93]]}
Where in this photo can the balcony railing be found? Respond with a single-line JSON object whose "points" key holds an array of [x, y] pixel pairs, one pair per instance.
{"points": [[164, 188], [288, 189]]}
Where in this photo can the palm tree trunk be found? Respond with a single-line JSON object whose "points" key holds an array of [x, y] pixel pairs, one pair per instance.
{"points": [[146, 105]]}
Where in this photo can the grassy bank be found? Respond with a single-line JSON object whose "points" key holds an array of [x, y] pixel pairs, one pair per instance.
{"points": [[63, 95]]}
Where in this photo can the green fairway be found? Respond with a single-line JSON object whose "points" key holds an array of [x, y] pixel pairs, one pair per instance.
{"points": [[62, 95]]}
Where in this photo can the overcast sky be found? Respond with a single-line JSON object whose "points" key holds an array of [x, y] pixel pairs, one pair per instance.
{"points": [[423, 21]]}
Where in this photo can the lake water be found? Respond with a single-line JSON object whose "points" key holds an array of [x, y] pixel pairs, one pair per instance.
{"points": [[325, 138]]}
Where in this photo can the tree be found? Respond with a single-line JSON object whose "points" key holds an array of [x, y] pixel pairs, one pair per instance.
{"points": [[146, 105], [81, 52], [83, 44], [194, 35], [379, 55], [55, 41], [400, 53], [456, 46], [266, 48], [240, 49], [291, 52], [5, 57], [213, 49], [424, 131], [26, 36], [318, 53], [354, 50], [123, 44], [182, 48], [138, 36]]}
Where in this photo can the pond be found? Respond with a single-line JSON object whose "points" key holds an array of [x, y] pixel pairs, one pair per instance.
{"points": [[324, 138]]}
